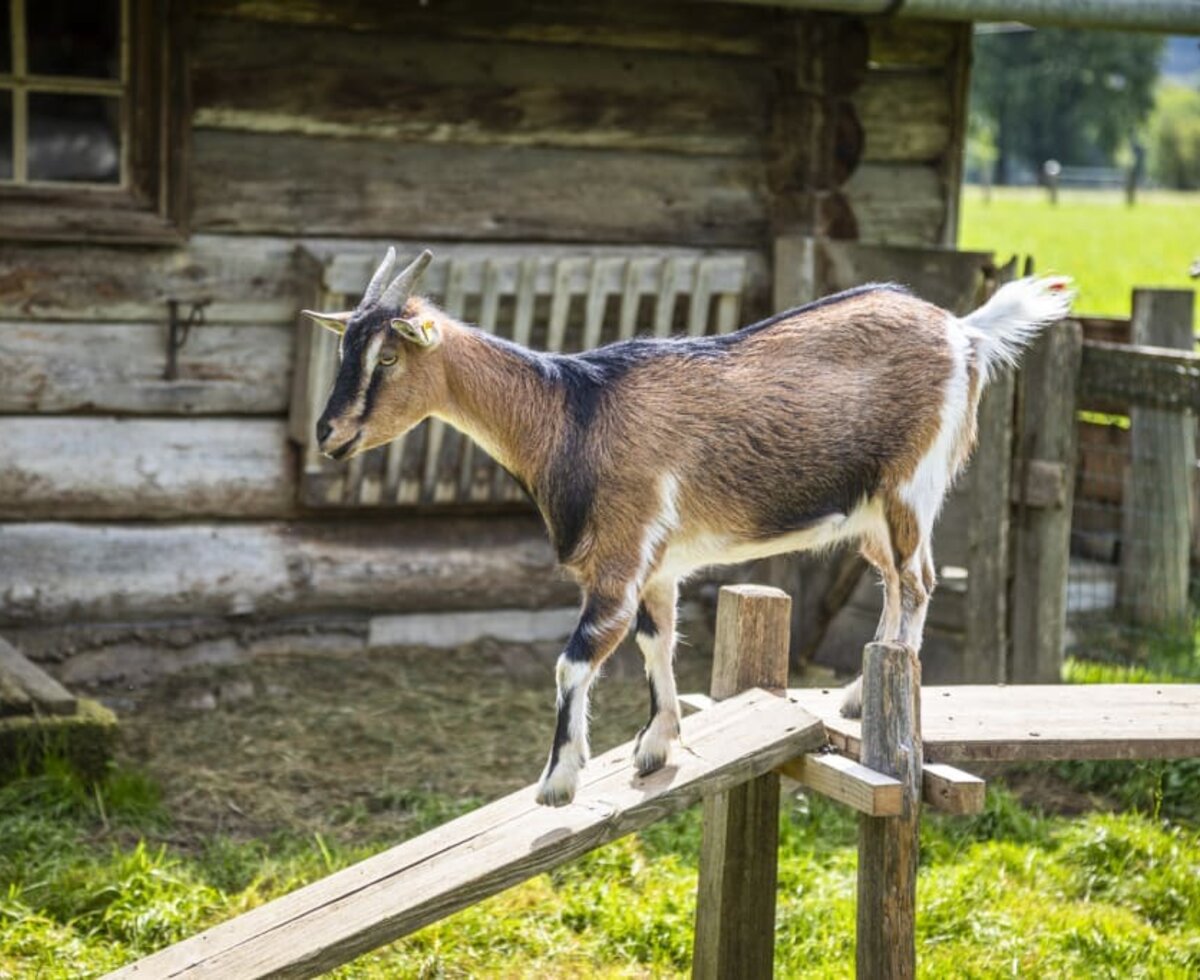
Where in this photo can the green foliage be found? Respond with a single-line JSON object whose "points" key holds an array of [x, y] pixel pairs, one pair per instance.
{"points": [[1106, 247], [1174, 132], [1070, 95]]}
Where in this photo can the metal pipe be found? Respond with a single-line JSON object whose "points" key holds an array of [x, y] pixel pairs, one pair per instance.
{"points": [[1166, 16]]}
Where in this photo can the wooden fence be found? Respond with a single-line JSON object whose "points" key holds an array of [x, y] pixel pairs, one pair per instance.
{"points": [[752, 731]]}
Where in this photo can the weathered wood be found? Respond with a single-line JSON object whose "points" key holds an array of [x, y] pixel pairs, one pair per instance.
{"points": [[283, 183], [1041, 551], [392, 894], [888, 846], [905, 116], [43, 693], [105, 468], [735, 903], [248, 279], [1045, 485], [910, 43], [104, 572], [949, 278], [1115, 376], [898, 203], [1157, 527], [665, 25], [985, 496], [118, 368], [951, 790], [1037, 723], [848, 782], [285, 79]]}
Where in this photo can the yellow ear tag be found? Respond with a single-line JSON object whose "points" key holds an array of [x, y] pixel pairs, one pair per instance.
{"points": [[427, 329]]}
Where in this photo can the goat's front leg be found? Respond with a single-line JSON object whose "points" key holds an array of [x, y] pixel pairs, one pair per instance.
{"points": [[656, 637], [604, 621]]}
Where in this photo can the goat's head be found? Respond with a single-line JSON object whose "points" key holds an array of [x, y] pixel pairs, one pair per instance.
{"points": [[390, 377]]}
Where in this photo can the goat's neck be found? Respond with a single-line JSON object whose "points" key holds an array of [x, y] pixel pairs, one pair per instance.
{"points": [[500, 397]]}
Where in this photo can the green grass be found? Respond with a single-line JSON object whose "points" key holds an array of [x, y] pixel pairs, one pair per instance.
{"points": [[1106, 247], [1010, 892]]}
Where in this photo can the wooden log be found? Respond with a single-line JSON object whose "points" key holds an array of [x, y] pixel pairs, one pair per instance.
{"points": [[1115, 375], [247, 279], [735, 904], [290, 79], [318, 927], [951, 790], [669, 25], [905, 116], [44, 693], [251, 182], [1041, 552], [106, 572], [118, 368], [898, 203], [109, 468], [888, 846], [910, 43], [1156, 530]]}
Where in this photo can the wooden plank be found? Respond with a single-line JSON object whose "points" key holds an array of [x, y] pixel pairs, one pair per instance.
{"points": [[1156, 532], [1041, 551], [248, 279], [735, 898], [1148, 375], [1035, 723], [45, 694], [106, 468], [848, 782], [118, 368], [287, 79], [288, 184], [897, 203], [905, 116], [393, 894], [103, 572], [951, 790], [888, 847], [910, 43], [949, 278], [668, 25], [14, 700]]}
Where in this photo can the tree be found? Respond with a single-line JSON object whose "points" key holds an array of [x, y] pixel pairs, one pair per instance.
{"points": [[1069, 95]]}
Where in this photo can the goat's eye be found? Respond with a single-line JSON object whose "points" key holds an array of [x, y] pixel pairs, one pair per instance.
{"points": [[387, 360]]}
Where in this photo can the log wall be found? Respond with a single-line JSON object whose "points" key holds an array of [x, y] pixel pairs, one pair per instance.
{"points": [[325, 124]]}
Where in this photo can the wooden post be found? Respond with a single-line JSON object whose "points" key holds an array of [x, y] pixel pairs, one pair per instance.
{"points": [[888, 846], [735, 904], [1041, 554], [1156, 525]]}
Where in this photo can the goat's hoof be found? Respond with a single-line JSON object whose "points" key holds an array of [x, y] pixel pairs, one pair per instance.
{"points": [[554, 796], [558, 786], [653, 746], [852, 700]]}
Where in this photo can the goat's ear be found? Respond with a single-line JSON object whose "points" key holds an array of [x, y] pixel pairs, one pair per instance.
{"points": [[423, 333], [330, 321]]}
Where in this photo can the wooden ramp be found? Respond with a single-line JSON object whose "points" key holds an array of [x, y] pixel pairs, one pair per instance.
{"points": [[973, 723], [397, 892]]}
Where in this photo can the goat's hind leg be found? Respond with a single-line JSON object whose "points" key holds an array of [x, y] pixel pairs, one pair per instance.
{"points": [[656, 638], [878, 552]]}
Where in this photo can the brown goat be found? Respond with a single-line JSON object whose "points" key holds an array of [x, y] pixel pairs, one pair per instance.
{"points": [[649, 459]]}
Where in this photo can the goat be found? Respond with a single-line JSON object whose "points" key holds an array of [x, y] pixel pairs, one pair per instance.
{"points": [[846, 419]]}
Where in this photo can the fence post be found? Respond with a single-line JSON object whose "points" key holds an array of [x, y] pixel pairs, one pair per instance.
{"points": [[1041, 555], [735, 902], [888, 846], [1156, 525]]}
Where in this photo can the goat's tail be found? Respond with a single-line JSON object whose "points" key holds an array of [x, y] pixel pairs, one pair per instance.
{"points": [[1013, 317]]}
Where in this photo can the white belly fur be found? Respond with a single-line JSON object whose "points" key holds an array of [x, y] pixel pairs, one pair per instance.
{"points": [[687, 555]]}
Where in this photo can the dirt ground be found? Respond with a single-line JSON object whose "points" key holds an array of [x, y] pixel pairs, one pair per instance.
{"points": [[346, 746]]}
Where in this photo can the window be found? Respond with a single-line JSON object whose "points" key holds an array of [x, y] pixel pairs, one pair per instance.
{"points": [[91, 120]]}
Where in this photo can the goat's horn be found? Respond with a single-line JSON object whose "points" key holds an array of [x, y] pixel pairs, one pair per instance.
{"points": [[379, 280], [402, 285]]}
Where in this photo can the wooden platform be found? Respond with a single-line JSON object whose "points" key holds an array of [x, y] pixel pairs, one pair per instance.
{"points": [[1002, 723], [394, 893]]}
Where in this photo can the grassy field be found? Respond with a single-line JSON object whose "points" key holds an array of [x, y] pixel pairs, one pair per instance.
{"points": [[1107, 247]]}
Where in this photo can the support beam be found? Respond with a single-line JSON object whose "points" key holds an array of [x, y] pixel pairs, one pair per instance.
{"points": [[735, 904], [888, 846], [952, 790], [848, 782]]}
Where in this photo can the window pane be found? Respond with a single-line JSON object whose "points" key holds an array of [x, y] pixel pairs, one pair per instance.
{"points": [[5, 38], [6, 161], [74, 137], [70, 37]]}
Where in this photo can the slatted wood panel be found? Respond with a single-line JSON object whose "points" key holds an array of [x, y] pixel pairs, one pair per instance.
{"points": [[547, 298]]}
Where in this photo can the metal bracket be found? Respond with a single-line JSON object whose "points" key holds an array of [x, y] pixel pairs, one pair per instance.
{"points": [[178, 331]]}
